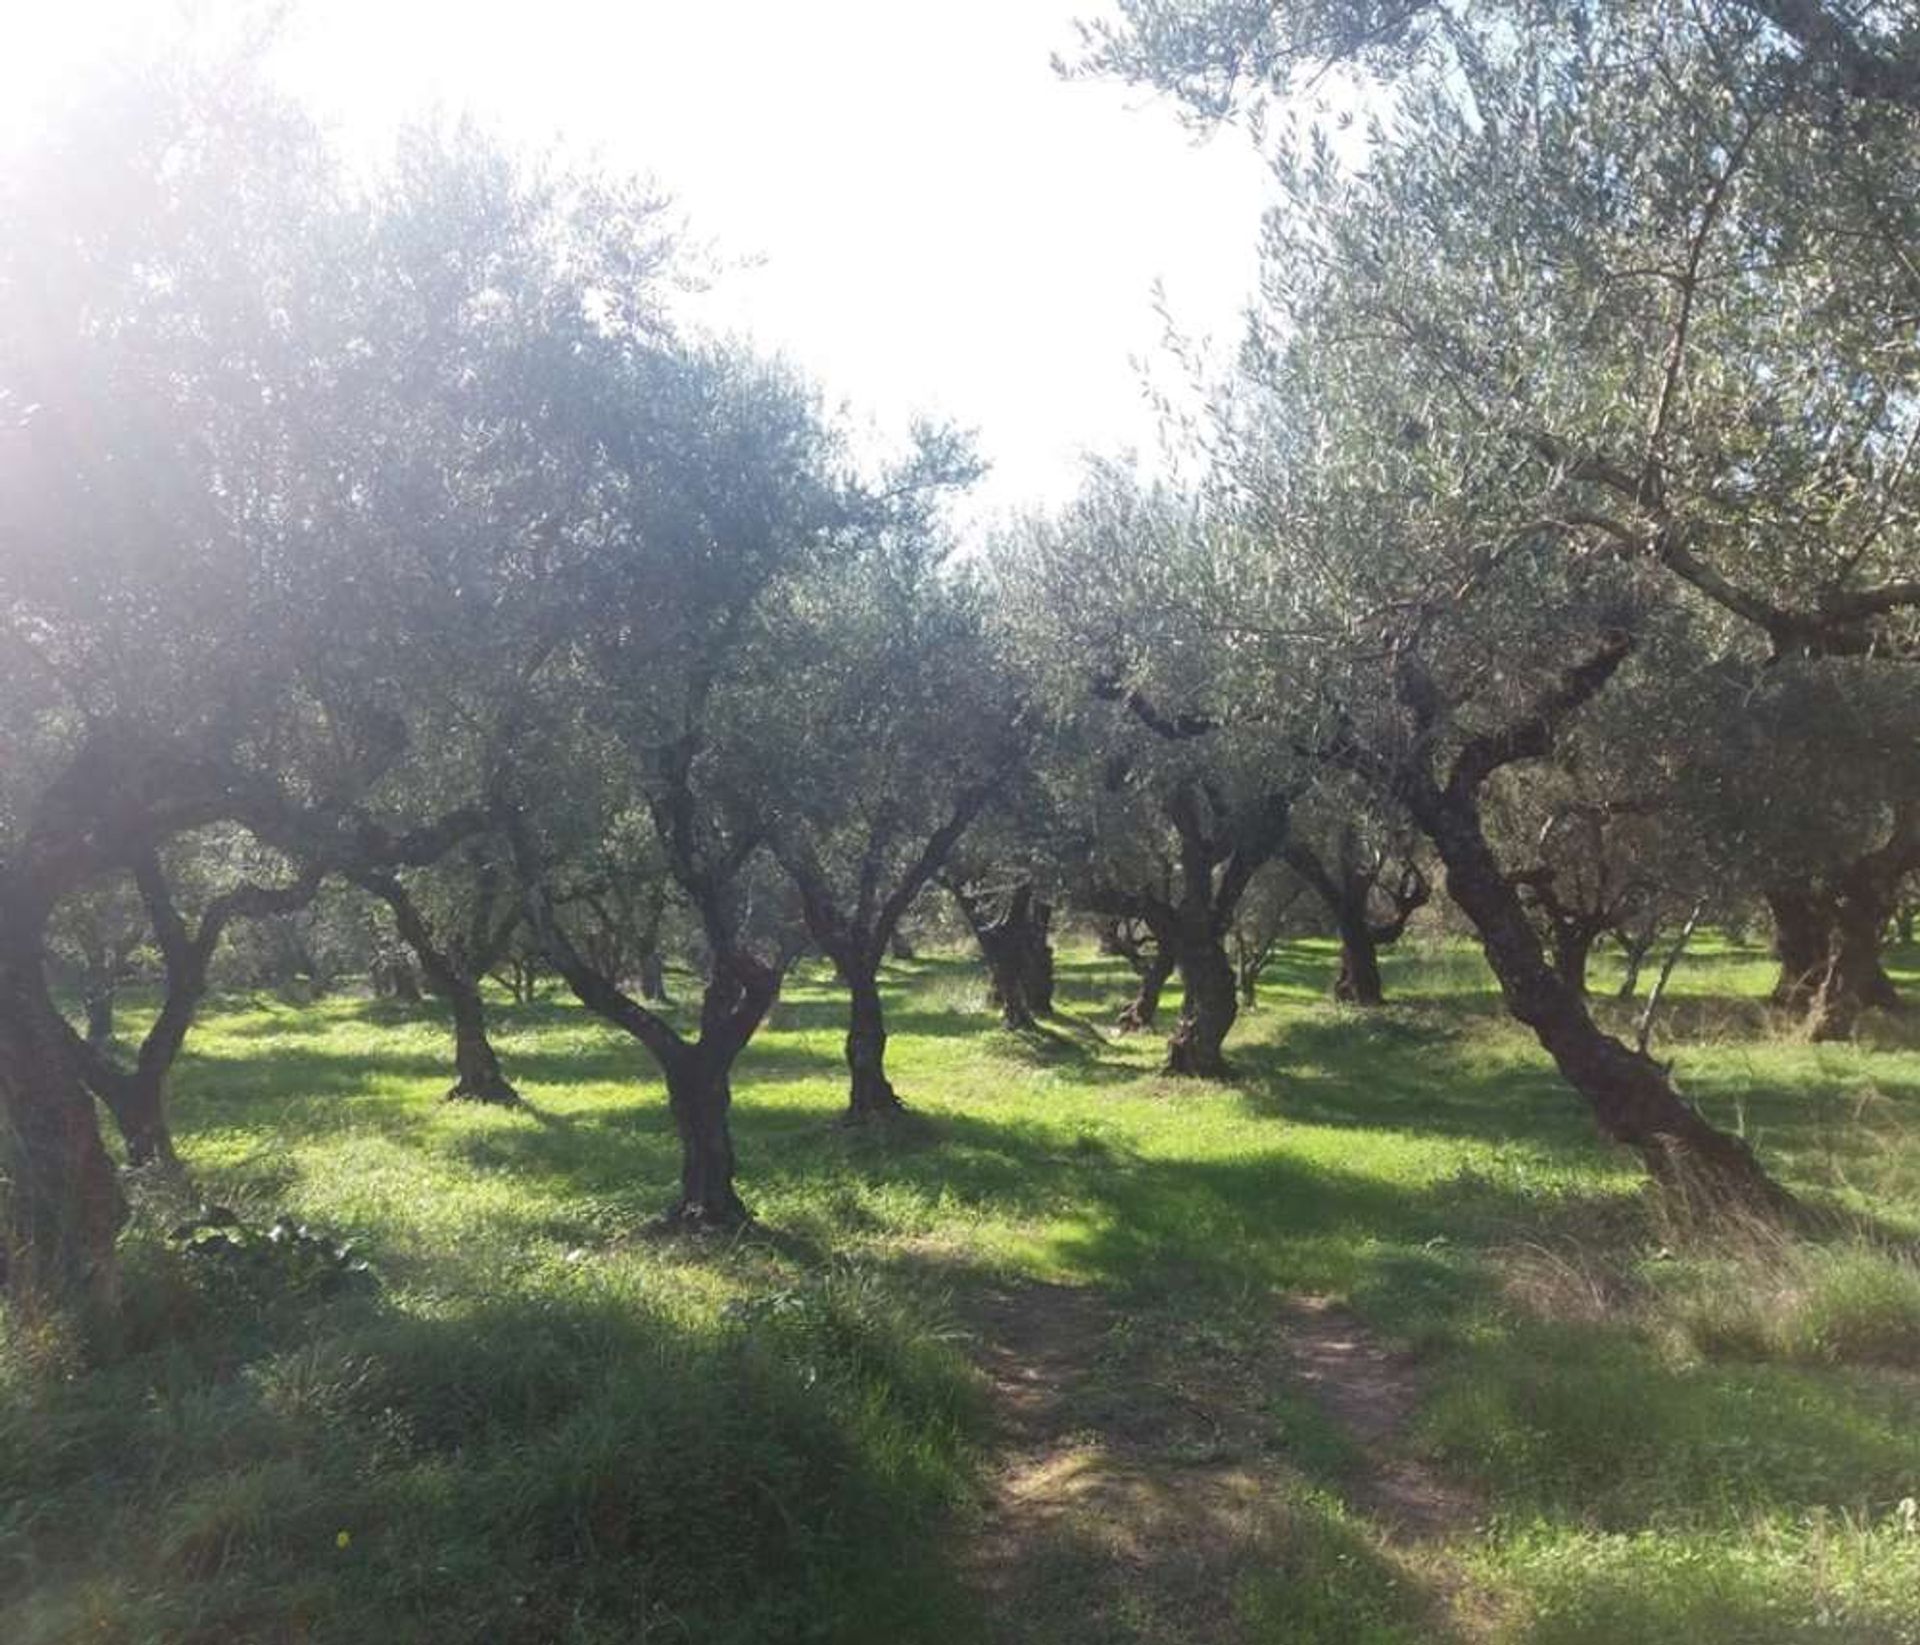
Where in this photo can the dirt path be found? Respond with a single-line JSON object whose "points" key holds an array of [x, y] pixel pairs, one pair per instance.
{"points": [[1110, 1516], [1132, 1494], [1371, 1391]]}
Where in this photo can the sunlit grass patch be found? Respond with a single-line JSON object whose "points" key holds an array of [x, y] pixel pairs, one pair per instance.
{"points": [[547, 1424]]}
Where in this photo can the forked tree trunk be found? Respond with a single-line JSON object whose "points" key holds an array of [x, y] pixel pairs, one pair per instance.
{"points": [[144, 1124], [1144, 1008], [1207, 1013], [1828, 944], [1013, 943], [62, 1202], [1347, 891], [870, 1094], [477, 1073], [1357, 982], [700, 1098], [138, 1103], [1630, 1095]]}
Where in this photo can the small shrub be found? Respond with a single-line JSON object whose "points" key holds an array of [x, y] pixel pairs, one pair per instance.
{"points": [[285, 1259]]}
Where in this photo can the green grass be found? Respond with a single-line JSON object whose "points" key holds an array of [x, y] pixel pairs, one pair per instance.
{"points": [[545, 1425]]}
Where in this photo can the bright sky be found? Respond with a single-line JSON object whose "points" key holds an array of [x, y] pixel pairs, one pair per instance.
{"points": [[934, 221]]}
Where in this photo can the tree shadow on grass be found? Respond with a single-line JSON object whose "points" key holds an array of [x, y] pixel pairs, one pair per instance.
{"points": [[1408, 1072], [1581, 1425]]}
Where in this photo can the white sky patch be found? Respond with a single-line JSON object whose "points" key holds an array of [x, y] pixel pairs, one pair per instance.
{"points": [[927, 218]]}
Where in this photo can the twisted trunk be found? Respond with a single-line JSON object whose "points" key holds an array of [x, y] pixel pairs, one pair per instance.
{"points": [[871, 1095], [1207, 1013], [62, 1202], [1013, 943], [1347, 891], [477, 1073], [1142, 1010], [1827, 938], [700, 1098], [1632, 1099], [1357, 982]]}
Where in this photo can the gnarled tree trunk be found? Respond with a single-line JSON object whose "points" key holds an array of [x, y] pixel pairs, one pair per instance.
{"points": [[62, 1201], [478, 1076], [700, 1098], [1348, 890], [1828, 940], [1572, 952], [477, 1073], [1013, 943], [1208, 1010], [1631, 1096], [871, 1095], [1143, 1010], [1357, 982]]}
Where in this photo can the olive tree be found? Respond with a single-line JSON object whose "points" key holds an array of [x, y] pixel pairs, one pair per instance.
{"points": [[897, 724], [1567, 341], [1179, 792], [704, 486], [251, 507]]}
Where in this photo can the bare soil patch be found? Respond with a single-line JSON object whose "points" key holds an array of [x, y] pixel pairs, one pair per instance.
{"points": [[1131, 1495], [1372, 1391]]}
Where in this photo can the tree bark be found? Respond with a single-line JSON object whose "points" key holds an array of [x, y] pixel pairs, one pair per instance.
{"points": [[477, 1072], [1799, 942], [138, 1103], [1347, 891], [1357, 982], [1207, 1014], [1702, 1169], [1572, 950], [1633, 954], [1013, 943], [700, 1098], [63, 1205], [100, 1002], [1828, 941], [871, 1095], [1144, 1007], [1630, 1095]]}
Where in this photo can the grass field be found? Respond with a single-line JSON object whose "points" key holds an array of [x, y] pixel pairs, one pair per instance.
{"points": [[545, 1425]]}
